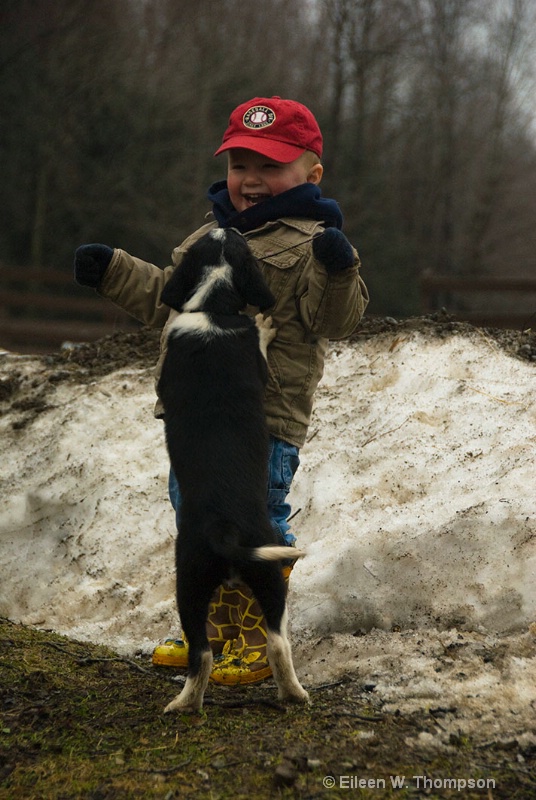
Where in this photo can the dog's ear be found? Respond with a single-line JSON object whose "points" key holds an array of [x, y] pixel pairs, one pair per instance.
{"points": [[180, 286], [206, 251], [257, 292], [247, 276]]}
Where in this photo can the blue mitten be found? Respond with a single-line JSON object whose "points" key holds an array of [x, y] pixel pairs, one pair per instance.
{"points": [[333, 250], [90, 263]]}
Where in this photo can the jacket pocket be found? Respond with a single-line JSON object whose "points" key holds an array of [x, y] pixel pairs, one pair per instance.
{"points": [[279, 270], [292, 369]]}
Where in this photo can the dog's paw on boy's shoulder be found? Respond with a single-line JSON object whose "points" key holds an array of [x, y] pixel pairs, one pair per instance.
{"points": [[264, 324], [266, 333]]}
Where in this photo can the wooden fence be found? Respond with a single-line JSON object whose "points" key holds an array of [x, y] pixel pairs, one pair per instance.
{"points": [[40, 310], [449, 292]]}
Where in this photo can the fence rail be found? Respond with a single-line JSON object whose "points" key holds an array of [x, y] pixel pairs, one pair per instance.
{"points": [[439, 291], [42, 309]]}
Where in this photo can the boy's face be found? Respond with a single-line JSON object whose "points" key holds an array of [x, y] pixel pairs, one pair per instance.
{"points": [[252, 177]]}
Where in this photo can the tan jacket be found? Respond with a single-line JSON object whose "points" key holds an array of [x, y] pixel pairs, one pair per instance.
{"points": [[311, 307]]}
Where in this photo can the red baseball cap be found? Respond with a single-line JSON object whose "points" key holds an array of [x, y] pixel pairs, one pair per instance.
{"points": [[276, 128]]}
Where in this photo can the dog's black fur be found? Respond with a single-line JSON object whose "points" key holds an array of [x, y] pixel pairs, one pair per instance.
{"points": [[212, 387]]}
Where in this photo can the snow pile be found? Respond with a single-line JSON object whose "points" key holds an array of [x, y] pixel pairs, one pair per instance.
{"points": [[418, 513], [418, 492]]}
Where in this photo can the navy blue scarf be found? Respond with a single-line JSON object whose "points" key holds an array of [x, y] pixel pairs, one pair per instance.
{"points": [[303, 201]]}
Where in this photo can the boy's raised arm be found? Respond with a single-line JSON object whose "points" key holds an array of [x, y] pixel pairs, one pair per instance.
{"points": [[132, 284], [335, 297]]}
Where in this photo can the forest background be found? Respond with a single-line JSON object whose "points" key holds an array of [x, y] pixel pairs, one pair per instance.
{"points": [[111, 111]]}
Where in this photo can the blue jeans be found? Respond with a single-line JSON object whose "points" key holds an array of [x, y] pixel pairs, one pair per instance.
{"points": [[283, 461]]}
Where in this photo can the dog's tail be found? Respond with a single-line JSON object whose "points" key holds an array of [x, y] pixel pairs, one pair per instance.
{"points": [[224, 538], [272, 552]]}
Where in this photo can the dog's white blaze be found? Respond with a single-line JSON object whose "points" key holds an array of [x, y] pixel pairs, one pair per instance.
{"points": [[213, 276], [280, 659], [191, 697], [218, 233]]}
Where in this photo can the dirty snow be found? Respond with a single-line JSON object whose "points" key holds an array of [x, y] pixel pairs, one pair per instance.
{"points": [[418, 514]]}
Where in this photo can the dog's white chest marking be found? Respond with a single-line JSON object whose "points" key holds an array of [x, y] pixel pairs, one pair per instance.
{"points": [[196, 322], [213, 276]]}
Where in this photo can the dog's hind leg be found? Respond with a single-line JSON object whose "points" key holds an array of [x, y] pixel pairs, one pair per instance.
{"points": [[280, 658], [191, 697], [193, 600], [267, 584]]}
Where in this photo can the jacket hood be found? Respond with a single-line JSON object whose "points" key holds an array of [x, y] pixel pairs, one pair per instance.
{"points": [[301, 201]]}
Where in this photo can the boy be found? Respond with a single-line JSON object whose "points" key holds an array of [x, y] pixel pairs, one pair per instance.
{"points": [[271, 195]]}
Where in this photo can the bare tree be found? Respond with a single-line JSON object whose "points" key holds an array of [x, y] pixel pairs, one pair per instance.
{"points": [[115, 108], [501, 70]]}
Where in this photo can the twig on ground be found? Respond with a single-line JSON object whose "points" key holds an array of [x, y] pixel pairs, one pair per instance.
{"points": [[161, 771], [85, 660], [384, 433], [325, 686], [254, 701]]}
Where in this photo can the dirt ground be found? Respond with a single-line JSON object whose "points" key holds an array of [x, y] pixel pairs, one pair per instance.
{"points": [[78, 721], [119, 350]]}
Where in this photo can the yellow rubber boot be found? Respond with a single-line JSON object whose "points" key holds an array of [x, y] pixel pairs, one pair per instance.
{"points": [[244, 660], [223, 624]]}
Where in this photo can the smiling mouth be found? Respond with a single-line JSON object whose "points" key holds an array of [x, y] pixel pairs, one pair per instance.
{"points": [[253, 199]]}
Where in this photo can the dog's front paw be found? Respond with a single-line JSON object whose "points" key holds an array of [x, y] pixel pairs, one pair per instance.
{"points": [[265, 324], [266, 333]]}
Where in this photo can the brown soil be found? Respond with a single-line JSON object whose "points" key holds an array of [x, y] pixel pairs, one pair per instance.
{"points": [[79, 722], [140, 348]]}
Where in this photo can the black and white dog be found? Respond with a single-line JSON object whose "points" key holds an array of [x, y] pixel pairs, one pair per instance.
{"points": [[212, 387]]}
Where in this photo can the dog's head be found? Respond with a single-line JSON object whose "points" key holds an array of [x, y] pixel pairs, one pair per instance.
{"points": [[218, 274]]}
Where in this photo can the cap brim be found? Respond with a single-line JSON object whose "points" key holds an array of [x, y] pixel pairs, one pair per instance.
{"points": [[278, 151]]}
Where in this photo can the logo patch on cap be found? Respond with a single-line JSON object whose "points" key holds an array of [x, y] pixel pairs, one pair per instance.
{"points": [[258, 117]]}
